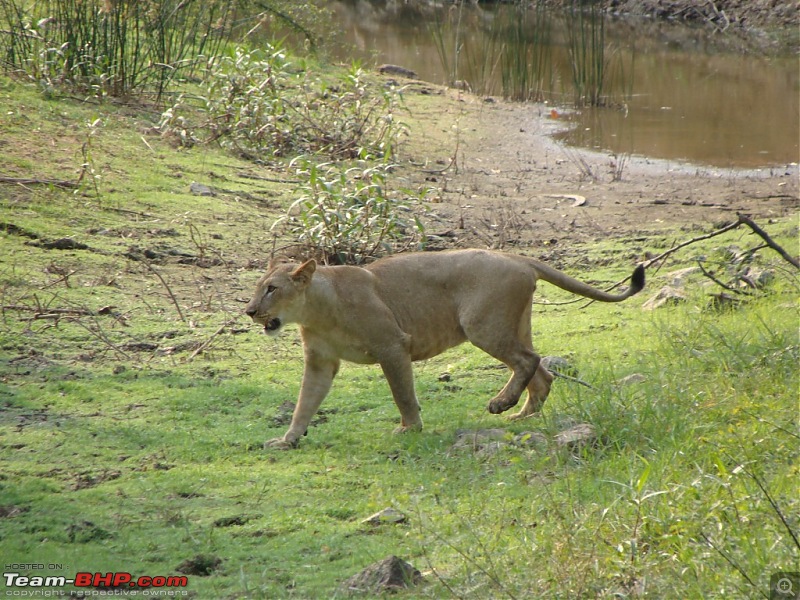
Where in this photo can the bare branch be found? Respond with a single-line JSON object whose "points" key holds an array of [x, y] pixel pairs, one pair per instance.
{"points": [[169, 290], [746, 220]]}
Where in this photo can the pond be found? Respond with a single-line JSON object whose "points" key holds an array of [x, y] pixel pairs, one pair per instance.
{"points": [[672, 92]]}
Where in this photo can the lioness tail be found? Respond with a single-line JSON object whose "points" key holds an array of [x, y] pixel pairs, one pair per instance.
{"points": [[565, 282]]}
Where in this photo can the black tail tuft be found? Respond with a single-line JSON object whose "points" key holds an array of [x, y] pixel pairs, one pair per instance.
{"points": [[637, 280]]}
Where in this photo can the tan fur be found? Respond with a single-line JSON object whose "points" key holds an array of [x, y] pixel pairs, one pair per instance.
{"points": [[411, 307]]}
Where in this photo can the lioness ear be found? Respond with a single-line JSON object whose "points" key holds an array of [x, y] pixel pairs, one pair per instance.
{"points": [[303, 273]]}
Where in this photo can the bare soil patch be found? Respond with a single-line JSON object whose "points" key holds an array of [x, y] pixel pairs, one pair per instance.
{"points": [[505, 183]]}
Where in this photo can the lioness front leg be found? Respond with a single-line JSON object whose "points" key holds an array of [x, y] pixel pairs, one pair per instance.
{"points": [[318, 375]]}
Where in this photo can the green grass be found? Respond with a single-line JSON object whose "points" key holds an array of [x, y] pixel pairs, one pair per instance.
{"points": [[123, 450]]}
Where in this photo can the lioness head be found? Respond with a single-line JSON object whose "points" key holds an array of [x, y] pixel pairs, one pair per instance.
{"points": [[280, 295]]}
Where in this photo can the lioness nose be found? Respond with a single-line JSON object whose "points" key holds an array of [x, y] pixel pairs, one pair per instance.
{"points": [[250, 311]]}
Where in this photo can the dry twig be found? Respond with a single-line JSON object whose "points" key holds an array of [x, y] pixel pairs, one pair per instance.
{"points": [[214, 335]]}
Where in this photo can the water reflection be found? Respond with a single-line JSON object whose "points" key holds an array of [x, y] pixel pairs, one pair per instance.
{"points": [[688, 99]]}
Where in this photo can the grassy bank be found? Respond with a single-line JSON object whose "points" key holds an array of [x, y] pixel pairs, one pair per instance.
{"points": [[135, 398]]}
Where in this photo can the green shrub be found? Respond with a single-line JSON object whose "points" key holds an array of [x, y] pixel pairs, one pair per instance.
{"points": [[346, 215], [261, 105]]}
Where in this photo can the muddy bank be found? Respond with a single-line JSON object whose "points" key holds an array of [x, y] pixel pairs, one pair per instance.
{"points": [[504, 183], [721, 13]]}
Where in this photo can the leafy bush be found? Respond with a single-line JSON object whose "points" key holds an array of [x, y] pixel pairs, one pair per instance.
{"points": [[347, 216], [261, 105]]}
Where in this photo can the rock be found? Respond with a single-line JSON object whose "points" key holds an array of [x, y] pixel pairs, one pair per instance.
{"points": [[530, 438], [577, 437], [678, 278], [666, 296], [198, 189], [757, 278], [389, 575], [62, 244], [473, 438], [559, 366], [397, 71], [486, 442], [201, 565], [387, 515], [483, 442]]}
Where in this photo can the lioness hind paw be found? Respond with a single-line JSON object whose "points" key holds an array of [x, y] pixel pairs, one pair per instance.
{"points": [[280, 444], [500, 405], [522, 415]]}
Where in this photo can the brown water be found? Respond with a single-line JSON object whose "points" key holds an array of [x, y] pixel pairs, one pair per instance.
{"points": [[684, 97]]}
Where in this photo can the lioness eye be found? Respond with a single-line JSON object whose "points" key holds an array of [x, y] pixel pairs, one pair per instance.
{"points": [[270, 289]]}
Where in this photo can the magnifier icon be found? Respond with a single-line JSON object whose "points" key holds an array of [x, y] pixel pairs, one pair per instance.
{"points": [[784, 586]]}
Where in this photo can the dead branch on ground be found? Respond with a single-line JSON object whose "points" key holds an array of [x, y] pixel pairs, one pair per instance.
{"points": [[35, 181], [202, 347], [169, 290]]}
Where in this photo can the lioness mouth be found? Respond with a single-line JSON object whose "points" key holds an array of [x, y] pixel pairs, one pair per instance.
{"points": [[272, 325]]}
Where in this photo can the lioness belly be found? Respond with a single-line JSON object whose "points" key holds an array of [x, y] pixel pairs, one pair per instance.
{"points": [[433, 343]]}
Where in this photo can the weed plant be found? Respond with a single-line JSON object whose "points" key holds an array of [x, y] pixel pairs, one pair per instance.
{"points": [[111, 47], [515, 50], [519, 49]]}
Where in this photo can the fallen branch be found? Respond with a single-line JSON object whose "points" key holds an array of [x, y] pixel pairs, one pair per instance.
{"points": [[49, 311], [36, 181]]}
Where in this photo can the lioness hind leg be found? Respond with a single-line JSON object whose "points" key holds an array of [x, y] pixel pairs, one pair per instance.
{"points": [[523, 364], [538, 389]]}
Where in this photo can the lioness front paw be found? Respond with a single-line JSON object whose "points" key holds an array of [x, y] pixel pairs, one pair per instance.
{"points": [[407, 428], [280, 444]]}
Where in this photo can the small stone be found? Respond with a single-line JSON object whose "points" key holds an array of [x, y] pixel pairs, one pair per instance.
{"points": [[530, 438], [678, 278], [387, 515], [631, 379], [666, 296], [397, 71], [198, 189], [559, 365], [577, 437]]}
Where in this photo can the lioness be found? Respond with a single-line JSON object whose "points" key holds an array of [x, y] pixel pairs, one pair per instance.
{"points": [[411, 307]]}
